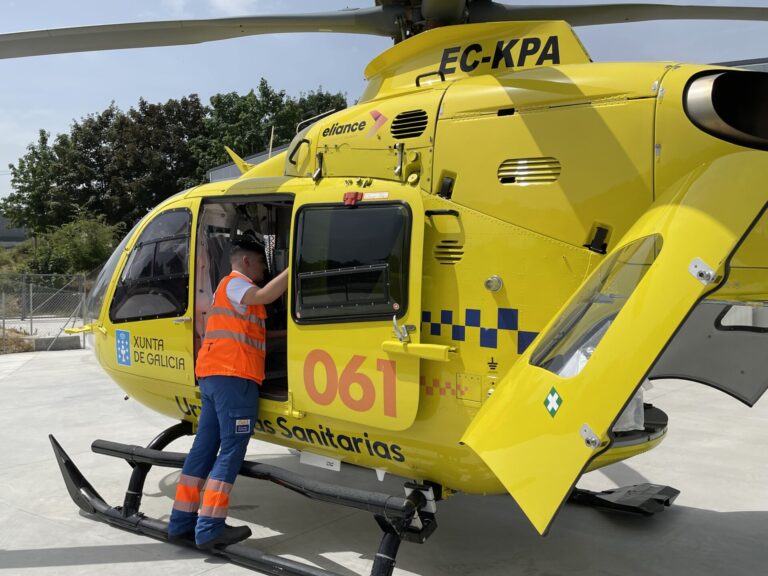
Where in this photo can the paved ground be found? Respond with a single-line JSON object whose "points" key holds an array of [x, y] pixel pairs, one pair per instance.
{"points": [[716, 454]]}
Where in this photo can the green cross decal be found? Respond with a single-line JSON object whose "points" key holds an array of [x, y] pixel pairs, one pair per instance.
{"points": [[553, 402]]}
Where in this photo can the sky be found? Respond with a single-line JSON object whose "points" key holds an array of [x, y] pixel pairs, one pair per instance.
{"points": [[50, 92]]}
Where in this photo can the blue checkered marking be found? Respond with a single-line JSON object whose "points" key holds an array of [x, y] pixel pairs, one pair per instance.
{"points": [[506, 319], [489, 338], [524, 340], [472, 318]]}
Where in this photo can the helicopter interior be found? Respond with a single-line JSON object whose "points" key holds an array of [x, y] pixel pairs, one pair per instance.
{"points": [[267, 221]]}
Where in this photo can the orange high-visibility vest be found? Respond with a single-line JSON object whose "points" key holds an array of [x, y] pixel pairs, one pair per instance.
{"points": [[234, 344]]}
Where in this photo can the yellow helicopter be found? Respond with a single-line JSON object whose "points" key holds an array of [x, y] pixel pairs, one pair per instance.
{"points": [[490, 254]]}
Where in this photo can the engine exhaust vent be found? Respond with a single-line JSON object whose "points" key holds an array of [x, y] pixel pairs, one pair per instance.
{"points": [[449, 252], [524, 171], [730, 106], [409, 124]]}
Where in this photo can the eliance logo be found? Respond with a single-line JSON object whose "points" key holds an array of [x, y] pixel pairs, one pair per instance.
{"points": [[378, 121]]}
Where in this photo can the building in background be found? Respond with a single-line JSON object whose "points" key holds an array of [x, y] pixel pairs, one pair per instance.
{"points": [[229, 171], [9, 236]]}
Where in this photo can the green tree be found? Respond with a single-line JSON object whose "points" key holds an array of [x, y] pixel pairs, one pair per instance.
{"points": [[153, 156], [306, 106], [85, 164], [118, 165], [78, 246], [244, 123], [35, 202]]}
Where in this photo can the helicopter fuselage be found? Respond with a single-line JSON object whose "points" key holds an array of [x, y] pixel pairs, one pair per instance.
{"points": [[433, 232]]}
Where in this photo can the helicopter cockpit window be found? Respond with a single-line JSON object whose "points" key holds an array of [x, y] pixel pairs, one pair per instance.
{"points": [[352, 263], [155, 280], [95, 297], [570, 343]]}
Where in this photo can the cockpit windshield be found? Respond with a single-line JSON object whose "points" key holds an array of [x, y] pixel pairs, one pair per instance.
{"points": [[96, 295]]}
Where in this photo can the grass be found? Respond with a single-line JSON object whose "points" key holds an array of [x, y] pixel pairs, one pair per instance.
{"points": [[14, 340]]}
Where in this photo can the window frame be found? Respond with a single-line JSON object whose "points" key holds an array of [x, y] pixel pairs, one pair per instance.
{"points": [[138, 244], [353, 317], [555, 343]]}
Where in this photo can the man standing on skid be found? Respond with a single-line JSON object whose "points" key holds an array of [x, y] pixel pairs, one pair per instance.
{"points": [[229, 369]]}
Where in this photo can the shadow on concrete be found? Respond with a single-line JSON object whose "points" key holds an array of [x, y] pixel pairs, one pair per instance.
{"points": [[622, 474], [87, 555], [490, 535]]}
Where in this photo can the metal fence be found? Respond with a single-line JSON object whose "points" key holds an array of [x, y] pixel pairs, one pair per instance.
{"points": [[36, 308]]}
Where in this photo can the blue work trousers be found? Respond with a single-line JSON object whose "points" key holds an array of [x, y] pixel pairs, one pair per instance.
{"points": [[230, 406]]}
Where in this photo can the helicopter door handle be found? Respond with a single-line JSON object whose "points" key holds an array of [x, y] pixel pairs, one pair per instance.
{"points": [[400, 158], [441, 213], [403, 332], [319, 172], [434, 352], [428, 74], [182, 320], [292, 156]]}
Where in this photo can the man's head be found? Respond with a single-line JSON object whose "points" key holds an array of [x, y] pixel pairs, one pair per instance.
{"points": [[247, 257]]}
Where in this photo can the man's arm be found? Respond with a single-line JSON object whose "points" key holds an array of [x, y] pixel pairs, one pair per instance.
{"points": [[269, 293]]}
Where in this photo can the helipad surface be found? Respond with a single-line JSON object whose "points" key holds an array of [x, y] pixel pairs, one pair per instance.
{"points": [[716, 454]]}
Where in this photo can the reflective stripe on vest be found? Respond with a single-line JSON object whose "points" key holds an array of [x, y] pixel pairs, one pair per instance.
{"points": [[219, 311], [234, 343], [211, 334]]}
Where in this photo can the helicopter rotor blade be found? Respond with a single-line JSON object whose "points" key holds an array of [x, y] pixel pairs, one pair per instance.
{"points": [[380, 20], [753, 62], [451, 11], [392, 18], [593, 14]]}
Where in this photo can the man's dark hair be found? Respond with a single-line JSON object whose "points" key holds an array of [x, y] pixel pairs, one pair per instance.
{"points": [[242, 246]]}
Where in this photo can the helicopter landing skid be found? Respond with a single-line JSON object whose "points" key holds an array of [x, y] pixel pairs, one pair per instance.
{"points": [[645, 499], [411, 518]]}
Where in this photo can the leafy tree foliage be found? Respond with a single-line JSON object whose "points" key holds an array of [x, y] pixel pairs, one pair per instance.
{"points": [[117, 165], [244, 123], [35, 203], [77, 246]]}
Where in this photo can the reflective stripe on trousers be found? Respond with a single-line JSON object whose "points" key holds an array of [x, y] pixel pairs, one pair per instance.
{"points": [[188, 493], [227, 418], [216, 499]]}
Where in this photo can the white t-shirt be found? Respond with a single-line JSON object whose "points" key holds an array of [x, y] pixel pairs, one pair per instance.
{"points": [[236, 289]]}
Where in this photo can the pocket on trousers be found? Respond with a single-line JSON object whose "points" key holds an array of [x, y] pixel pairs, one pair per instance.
{"points": [[241, 422]]}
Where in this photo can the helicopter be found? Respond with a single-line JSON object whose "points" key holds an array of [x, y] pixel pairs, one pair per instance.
{"points": [[491, 253]]}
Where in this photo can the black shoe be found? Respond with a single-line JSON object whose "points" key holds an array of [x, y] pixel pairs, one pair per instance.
{"points": [[228, 536], [182, 538]]}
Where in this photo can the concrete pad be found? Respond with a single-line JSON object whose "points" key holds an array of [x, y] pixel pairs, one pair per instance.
{"points": [[714, 454]]}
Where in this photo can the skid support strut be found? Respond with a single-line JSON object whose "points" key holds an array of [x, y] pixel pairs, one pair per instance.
{"points": [[410, 518], [132, 501], [415, 529]]}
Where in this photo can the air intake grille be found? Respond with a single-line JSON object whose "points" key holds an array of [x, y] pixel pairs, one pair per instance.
{"points": [[409, 124], [529, 171], [449, 251]]}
